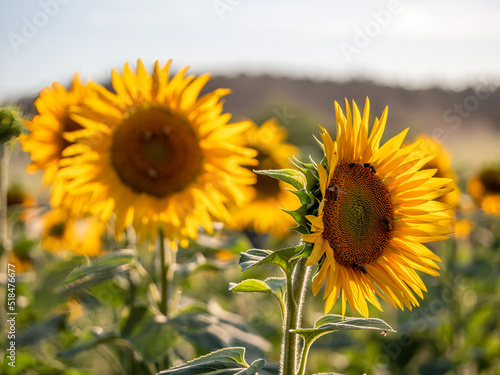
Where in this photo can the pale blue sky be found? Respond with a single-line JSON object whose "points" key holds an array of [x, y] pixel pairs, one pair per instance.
{"points": [[422, 43]]}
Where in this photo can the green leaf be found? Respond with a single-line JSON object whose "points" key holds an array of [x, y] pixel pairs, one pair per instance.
{"points": [[289, 176], [88, 341], [229, 361], [41, 330], [101, 269], [333, 323], [47, 294], [275, 286], [211, 328], [151, 335], [280, 258]]}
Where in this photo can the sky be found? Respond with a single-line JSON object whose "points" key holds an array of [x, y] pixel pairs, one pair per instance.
{"points": [[415, 44]]}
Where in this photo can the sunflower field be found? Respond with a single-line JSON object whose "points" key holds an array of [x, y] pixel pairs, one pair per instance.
{"points": [[159, 234]]}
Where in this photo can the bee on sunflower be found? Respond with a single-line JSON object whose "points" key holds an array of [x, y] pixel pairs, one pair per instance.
{"points": [[370, 209]]}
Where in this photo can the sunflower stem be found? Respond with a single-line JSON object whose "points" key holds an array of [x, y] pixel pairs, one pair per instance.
{"points": [[165, 260], [299, 290], [5, 245], [296, 283], [303, 359], [4, 175]]}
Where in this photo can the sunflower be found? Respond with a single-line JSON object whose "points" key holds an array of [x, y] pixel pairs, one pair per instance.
{"points": [[157, 155], [485, 189], [63, 233], [376, 210], [19, 200], [262, 212], [441, 162], [49, 129]]}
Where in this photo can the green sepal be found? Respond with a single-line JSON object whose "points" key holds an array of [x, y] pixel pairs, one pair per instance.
{"points": [[306, 250], [306, 199], [300, 229], [289, 176], [303, 166], [299, 215], [228, 361]]}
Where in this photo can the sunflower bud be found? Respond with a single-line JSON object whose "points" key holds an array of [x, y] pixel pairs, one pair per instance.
{"points": [[11, 123]]}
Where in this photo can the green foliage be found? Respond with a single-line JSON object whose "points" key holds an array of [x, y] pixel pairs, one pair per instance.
{"points": [[282, 258], [229, 361], [11, 123], [333, 323], [99, 270], [275, 286]]}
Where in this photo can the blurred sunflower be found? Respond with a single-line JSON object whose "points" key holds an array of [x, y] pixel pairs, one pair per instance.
{"points": [[485, 190], [21, 262], [262, 212], [164, 157], [49, 129], [442, 163], [19, 199], [376, 210], [61, 232]]}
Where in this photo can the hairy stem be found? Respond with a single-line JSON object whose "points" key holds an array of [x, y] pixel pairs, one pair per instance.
{"points": [[299, 290], [296, 283], [303, 359]]}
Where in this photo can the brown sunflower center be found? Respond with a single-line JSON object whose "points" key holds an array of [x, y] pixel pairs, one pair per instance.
{"points": [[156, 152], [57, 230], [267, 187], [358, 215], [490, 178]]}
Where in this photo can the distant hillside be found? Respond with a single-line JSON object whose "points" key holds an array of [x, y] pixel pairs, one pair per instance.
{"points": [[463, 120]]}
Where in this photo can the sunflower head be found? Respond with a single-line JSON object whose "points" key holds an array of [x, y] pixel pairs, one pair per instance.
{"points": [[485, 189], [50, 130], [366, 212], [441, 162], [261, 211], [62, 233], [156, 154]]}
